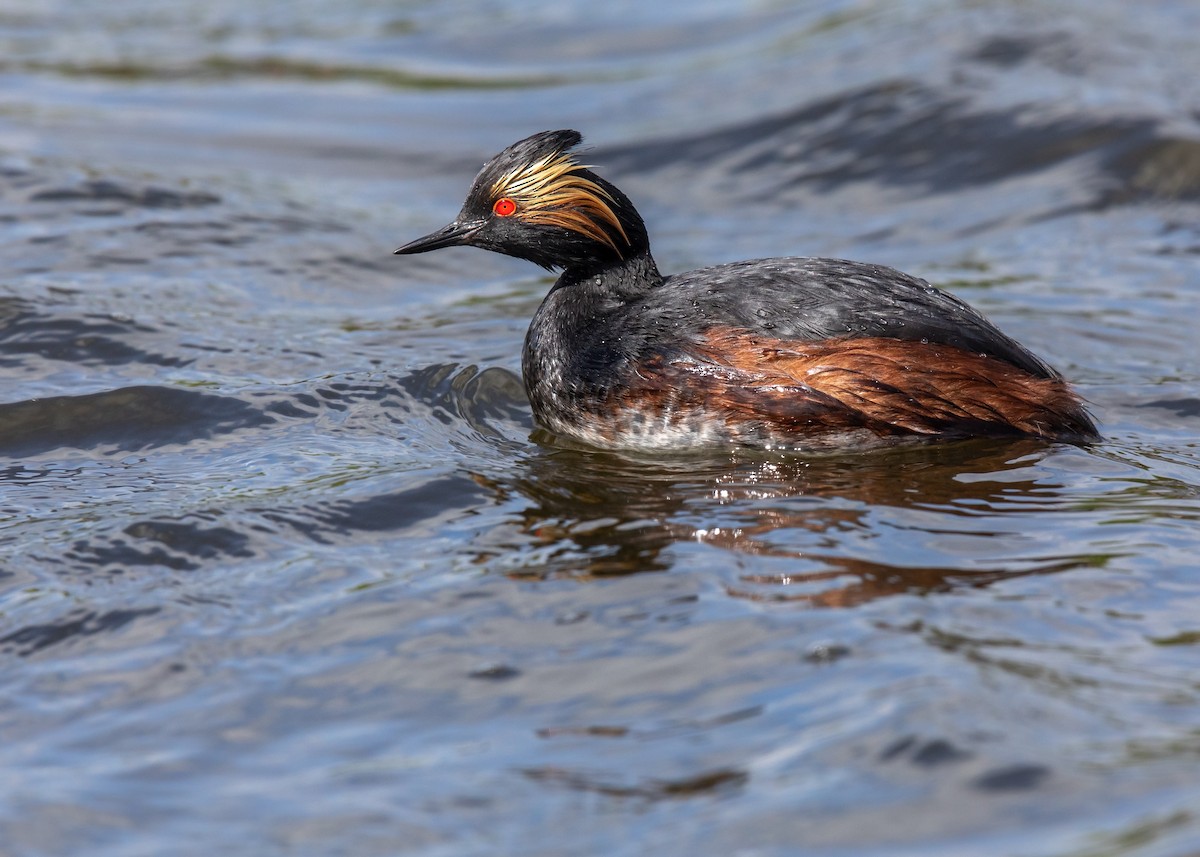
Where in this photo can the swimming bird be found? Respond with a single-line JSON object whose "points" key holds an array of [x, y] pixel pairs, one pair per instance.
{"points": [[779, 353]]}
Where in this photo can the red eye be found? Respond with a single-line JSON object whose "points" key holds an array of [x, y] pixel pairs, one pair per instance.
{"points": [[504, 207]]}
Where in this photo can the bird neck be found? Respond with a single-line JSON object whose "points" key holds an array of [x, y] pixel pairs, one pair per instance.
{"points": [[619, 281], [577, 338]]}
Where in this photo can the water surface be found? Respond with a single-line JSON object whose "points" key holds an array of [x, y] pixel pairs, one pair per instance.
{"points": [[286, 568]]}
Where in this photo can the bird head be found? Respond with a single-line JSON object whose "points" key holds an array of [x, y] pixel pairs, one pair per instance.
{"points": [[534, 201]]}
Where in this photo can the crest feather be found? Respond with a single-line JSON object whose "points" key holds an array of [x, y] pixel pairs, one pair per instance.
{"points": [[553, 191]]}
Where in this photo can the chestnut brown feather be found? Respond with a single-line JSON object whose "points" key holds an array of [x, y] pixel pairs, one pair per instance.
{"points": [[832, 393], [915, 387]]}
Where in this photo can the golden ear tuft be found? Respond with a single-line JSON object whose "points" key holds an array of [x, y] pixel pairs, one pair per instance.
{"points": [[552, 192]]}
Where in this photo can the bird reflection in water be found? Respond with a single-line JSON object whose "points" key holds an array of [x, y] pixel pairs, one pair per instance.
{"points": [[593, 514]]}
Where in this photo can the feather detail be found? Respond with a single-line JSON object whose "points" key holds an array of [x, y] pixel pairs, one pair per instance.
{"points": [[554, 191]]}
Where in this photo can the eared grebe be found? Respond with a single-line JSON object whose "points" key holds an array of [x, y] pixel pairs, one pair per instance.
{"points": [[779, 353]]}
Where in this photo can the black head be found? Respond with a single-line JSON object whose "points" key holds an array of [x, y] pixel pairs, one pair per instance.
{"points": [[536, 202]]}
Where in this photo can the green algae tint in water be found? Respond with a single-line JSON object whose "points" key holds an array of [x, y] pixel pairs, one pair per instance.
{"points": [[287, 569]]}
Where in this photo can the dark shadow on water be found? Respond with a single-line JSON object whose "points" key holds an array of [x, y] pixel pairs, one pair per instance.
{"points": [[385, 513], [1186, 407], [462, 403], [1056, 50], [455, 396], [902, 133], [127, 419], [79, 623], [197, 541], [479, 398], [104, 191], [707, 783], [87, 340], [180, 545]]}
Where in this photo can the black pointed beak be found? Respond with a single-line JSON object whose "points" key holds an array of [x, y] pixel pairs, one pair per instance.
{"points": [[451, 235]]}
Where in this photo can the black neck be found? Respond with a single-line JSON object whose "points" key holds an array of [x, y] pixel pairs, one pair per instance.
{"points": [[622, 280], [577, 338]]}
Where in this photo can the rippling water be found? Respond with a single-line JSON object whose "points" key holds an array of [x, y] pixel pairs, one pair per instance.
{"points": [[287, 569]]}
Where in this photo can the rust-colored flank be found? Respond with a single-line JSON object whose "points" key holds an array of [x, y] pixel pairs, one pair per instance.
{"points": [[747, 389], [884, 385]]}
